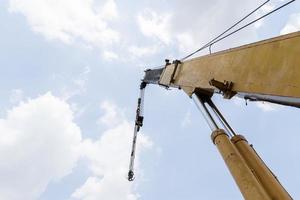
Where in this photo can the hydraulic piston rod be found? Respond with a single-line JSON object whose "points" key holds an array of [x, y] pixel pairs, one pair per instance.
{"points": [[254, 179]]}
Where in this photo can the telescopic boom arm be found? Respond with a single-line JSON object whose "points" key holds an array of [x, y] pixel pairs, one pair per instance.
{"points": [[263, 71]]}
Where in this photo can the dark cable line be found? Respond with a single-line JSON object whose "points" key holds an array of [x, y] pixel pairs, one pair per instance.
{"points": [[252, 22], [234, 25], [218, 39]]}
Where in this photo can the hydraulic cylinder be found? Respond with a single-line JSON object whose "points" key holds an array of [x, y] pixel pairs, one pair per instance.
{"points": [[264, 175], [247, 182]]}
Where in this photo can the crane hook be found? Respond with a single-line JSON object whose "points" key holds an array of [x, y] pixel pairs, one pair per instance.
{"points": [[130, 175]]}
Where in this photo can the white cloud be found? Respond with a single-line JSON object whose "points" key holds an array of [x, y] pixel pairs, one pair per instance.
{"points": [[77, 86], [187, 120], [263, 10], [108, 159], [267, 8], [143, 51], [110, 188], [187, 32], [239, 101], [267, 107], [39, 136], [263, 105], [155, 25], [112, 114], [38, 144], [70, 20], [186, 42], [109, 10], [292, 25], [16, 95], [110, 55], [78, 110], [83, 78]]}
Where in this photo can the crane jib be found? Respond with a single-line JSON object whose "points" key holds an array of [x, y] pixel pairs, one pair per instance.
{"points": [[267, 70]]}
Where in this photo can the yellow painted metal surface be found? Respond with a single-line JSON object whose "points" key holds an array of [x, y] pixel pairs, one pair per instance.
{"points": [[248, 184], [253, 177], [269, 67], [265, 177]]}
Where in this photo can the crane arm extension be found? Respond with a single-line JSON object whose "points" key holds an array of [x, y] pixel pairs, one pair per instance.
{"points": [[263, 71], [138, 124]]}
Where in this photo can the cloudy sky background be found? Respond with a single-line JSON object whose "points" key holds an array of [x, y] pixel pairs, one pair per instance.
{"points": [[70, 71]]}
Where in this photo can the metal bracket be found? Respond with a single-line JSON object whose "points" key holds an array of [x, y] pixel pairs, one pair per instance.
{"points": [[225, 87], [176, 63], [167, 63]]}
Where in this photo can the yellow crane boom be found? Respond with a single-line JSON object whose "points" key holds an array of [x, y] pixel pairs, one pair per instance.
{"points": [[268, 70]]}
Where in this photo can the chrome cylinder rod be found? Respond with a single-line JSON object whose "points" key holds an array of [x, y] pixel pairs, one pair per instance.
{"points": [[221, 118], [205, 112]]}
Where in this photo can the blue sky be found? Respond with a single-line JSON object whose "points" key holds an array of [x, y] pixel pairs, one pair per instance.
{"points": [[70, 73]]}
